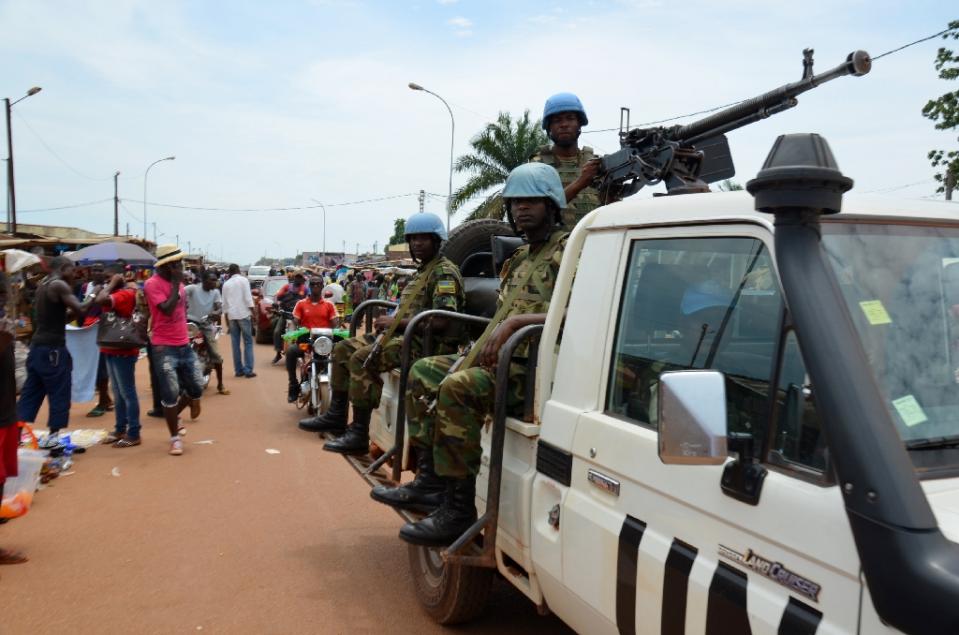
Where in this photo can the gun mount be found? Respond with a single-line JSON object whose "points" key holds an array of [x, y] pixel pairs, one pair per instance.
{"points": [[688, 157]]}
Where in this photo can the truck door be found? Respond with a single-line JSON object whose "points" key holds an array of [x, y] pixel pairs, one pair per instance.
{"points": [[760, 545]]}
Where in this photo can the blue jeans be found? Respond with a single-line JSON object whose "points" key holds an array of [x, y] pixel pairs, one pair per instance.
{"points": [[121, 371], [50, 375], [242, 365], [177, 366]]}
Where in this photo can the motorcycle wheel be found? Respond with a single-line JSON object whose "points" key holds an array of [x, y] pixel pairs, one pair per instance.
{"points": [[324, 397]]}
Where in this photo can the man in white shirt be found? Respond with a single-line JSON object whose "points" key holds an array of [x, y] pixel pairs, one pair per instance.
{"points": [[238, 306]]}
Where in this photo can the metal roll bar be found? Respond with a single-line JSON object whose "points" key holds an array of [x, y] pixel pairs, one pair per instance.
{"points": [[364, 307], [490, 518], [405, 363]]}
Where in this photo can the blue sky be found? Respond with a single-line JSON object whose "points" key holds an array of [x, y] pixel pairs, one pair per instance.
{"points": [[276, 104]]}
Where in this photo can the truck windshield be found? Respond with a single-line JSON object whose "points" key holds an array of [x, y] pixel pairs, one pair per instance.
{"points": [[901, 287]]}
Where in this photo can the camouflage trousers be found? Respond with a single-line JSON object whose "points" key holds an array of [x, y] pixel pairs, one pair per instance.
{"points": [[446, 413], [365, 385]]}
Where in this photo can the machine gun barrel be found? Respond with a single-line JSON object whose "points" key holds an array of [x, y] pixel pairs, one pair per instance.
{"points": [[777, 100]]}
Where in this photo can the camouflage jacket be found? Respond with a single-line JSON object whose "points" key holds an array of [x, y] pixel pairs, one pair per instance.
{"points": [[569, 170], [444, 290], [535, 296]]}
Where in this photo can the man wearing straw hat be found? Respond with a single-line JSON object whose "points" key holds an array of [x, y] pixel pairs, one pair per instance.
{"points": [[176, 362]]}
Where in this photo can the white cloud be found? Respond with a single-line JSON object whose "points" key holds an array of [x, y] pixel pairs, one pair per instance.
{"points": [[461, 22]]}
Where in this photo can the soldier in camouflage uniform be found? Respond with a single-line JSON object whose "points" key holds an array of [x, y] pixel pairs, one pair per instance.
{"points": [[437, 285], [448, 409], [563, 119]]}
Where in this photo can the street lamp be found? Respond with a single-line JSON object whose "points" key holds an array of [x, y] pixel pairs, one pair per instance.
{"points": [[145, 175], [11, 192], [324, 225], [449, 198]]}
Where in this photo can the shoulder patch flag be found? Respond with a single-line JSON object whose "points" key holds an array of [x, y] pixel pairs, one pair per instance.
{"points": [[446, 286]]}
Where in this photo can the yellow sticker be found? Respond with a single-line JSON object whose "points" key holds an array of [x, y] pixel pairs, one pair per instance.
{"points": [[875, 312], [910, 410]]}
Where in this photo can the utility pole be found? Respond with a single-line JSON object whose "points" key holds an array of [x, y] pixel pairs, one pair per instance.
{"points": [[116, 205], [422, 200], [11, 191], [128, 229], [357, 251], [154, 233], [11, 195], [375, 243]]}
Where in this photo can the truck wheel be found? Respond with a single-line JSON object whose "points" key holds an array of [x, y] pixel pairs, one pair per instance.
{"points": [[472, 237], [450, 594]]}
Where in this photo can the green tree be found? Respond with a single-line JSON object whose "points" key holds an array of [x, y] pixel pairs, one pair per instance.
{"points": [[497, 149], [729, 185], [399, 232], [944, 111]]}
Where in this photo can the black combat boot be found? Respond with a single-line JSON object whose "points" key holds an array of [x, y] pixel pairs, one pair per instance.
{"points": [[450, 521], [423, 494], [334, 419], [357, 437]]}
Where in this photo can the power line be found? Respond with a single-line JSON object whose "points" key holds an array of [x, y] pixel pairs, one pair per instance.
{"points": [[905, 46], [898, 187], [273, 209], [710, 110], [138, 219], [58, 157], [54, 209]]}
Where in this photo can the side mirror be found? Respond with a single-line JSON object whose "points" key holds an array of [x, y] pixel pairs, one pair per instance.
{"points": [[692, 417]]}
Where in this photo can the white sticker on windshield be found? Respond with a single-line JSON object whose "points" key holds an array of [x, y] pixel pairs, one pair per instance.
{"points": [[875, 312], [910, 410]]}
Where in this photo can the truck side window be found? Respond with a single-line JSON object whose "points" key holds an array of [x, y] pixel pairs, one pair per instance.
{"points": [[695, 303], [797, 439]]}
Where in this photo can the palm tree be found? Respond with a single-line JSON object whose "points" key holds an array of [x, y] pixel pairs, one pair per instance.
{"points": [[497, 149]]}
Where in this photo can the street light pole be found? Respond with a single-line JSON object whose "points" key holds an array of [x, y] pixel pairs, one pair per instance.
{"points": [[323, 207], [449, 197], [145, 175], [116, 205], [11, 191]]}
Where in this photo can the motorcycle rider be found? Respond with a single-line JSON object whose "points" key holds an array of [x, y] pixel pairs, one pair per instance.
{"points": [[436, 285], [204, 306], [447, 409], [285, 299], [563, 120], [312, 312]]}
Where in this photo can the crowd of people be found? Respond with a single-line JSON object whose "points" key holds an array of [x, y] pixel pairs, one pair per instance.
{"points": [[450, 393]]}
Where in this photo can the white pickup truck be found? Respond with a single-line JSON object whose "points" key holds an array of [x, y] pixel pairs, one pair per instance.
{"points": [[743, 421]]}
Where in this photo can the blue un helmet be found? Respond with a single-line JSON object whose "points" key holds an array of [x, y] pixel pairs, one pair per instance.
{"points": [[425, 223], [563, 102], [534, 180], [705, 295]]}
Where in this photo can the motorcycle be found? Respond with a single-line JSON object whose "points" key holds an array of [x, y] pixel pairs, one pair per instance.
{"points": [[196, 332], [314, 371]]}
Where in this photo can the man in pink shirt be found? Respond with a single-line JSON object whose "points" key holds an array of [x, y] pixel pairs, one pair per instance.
{"points": [[176, 362]]}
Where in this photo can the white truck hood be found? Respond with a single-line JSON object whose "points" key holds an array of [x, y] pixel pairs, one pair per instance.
{"points": [[943, 496]]}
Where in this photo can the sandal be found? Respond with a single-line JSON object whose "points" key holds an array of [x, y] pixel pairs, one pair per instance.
{"points": [[126, 442], [97, 412], [222, 391], [181, 430], [12, 557]]}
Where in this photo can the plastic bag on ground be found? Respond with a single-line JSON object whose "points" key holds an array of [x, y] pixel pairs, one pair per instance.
{"points": [[18, 491]]}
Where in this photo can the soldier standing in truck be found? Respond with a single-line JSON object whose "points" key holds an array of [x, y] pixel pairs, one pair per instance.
{"points": [[563, 120]]}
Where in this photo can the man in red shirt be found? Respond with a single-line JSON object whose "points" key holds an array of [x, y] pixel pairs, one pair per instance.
{"points": [[176, 361], [313, 312]]}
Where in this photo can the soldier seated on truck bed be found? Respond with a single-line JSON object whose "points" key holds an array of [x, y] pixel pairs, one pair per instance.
{"points": [[356, 374], [447, 409]]}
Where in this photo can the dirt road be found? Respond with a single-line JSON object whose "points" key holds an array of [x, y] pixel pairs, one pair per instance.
{"points": [[225, 539]]}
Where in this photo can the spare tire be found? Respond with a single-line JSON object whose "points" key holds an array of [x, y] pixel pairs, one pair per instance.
{"points": [[472, 238]]}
